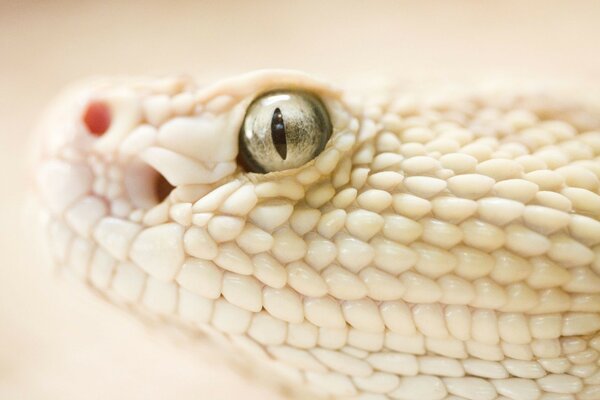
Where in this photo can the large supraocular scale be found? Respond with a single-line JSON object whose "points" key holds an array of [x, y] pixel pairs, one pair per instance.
{"points": [[400, 245]]}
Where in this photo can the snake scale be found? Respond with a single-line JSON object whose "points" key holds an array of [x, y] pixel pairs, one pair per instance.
{"points": [[390, 244]]}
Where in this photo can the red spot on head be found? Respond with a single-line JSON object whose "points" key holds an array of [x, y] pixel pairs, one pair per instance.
{"points": [[97, 118]]}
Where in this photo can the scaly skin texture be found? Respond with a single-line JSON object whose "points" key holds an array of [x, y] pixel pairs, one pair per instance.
{"points": [[442, 246]]}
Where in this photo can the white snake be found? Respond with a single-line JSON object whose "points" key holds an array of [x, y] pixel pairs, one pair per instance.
{"points": [[441, 246]]}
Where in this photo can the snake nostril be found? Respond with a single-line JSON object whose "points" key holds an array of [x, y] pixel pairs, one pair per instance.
{"points": [[97, 118]]}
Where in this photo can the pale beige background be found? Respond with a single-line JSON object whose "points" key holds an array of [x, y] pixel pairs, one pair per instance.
{"points": [[57, 342]]}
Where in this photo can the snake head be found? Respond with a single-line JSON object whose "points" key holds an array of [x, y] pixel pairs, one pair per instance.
{"points": [[401, 245], [145, 188], [168, 133]]}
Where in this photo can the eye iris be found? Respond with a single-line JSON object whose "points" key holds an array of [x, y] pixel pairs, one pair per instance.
{"points": [[278, 133], [283, 130]]}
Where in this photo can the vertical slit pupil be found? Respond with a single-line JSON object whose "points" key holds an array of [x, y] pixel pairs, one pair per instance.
{"points": [[278, 133]]}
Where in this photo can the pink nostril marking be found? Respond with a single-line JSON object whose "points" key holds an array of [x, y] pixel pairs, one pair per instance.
{"points": [[97, 118]]}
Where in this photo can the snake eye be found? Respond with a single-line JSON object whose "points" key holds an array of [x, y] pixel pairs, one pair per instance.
{"points": [[283, 130]]}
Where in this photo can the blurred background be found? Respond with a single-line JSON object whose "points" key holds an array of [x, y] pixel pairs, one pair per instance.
{"points": [[59, 343]]}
